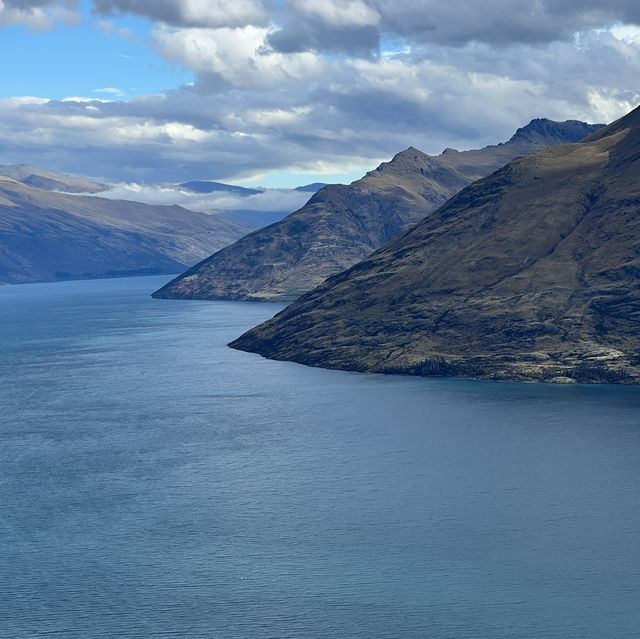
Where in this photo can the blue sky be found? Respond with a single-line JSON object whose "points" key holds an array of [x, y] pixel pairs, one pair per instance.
{"points": [[81, 59], [111, 58], [297, 91]]}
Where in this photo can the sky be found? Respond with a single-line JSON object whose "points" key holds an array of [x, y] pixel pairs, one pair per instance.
{"points": [[280, 93]]}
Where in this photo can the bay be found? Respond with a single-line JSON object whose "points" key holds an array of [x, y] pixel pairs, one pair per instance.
{"points": [[155, 483]]}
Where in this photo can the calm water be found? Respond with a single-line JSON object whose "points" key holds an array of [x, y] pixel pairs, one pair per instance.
{"points": [[154, 483]]}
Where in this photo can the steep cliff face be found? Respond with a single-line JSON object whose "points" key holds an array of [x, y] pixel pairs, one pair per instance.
{"points": [[341, 225], [532, 273]]}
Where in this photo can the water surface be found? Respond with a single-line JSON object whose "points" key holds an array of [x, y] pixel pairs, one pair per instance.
{"points": [[155, 483]]}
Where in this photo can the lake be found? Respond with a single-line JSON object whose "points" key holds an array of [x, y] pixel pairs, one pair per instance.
{"points": [[155, 483]]}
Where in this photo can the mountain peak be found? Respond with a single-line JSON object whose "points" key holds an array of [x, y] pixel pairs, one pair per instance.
{"points": [[342, 224], [531, 273], [543, 128], [410, 152]]}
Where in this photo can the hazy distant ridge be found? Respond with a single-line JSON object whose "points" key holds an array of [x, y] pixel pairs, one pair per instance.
{"points": [[46, 235]]}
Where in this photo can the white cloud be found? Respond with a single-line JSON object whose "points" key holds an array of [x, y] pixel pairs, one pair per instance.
{"points": [[35, 18], [28, 100], [462, 74], [610, 105], [238, 57], [219, 13], [277, 117], [106, 27], [271, 200], [39, 16], [338, 13], [626, 33], [110, 91]]}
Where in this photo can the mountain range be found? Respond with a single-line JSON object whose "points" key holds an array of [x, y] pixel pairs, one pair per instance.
{"points": [[240, 207], [46, 235], [51, 180], [532, 273], [342, 224]]}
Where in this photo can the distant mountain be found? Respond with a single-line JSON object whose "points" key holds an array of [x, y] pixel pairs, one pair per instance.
{"points": [[249, 213], [204, 186], [341, 225], [311, 188], [532, 273], [51, 180], [45, 235]]}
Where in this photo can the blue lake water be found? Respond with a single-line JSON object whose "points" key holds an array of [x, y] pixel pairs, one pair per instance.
{"points": [[155, 483]]}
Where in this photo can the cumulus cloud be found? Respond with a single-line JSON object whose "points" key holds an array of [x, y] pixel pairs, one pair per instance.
{"points": [[338, 14], [189, 13], [349, 27], [235, 57], [459, 22], [39, 15], [329, 86]]}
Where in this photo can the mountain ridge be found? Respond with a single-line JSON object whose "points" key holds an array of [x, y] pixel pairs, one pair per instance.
{"points": [[51, 180], [530, 274], [342, 224], [50, 236]]}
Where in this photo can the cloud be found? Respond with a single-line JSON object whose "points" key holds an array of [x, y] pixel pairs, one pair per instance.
{"points": [[271, 200], [39, 15], [346, 27], [110, 91], [455, 23], [338, 14], [106, 27], [189, 13], [325, 87], [235, 57], [357, 26]]}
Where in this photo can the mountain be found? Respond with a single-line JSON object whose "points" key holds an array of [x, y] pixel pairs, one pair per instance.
{"points": [[46, 235], [341, 225], [532, 273], [204, 186], [252, 218], [51, 180], [311, 188], [231, 204]]}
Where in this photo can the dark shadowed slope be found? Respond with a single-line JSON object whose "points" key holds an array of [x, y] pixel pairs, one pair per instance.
{"points": [[532, 273], [47, 236], [341, 225]]}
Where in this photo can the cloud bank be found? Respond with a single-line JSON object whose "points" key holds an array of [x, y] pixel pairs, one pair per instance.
{"points": [[326, 86], [271, 200]]}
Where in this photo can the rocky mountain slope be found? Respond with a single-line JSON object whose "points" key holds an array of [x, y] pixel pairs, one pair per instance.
{"points": [[532, 273], [46, 235], [341, 225]]}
